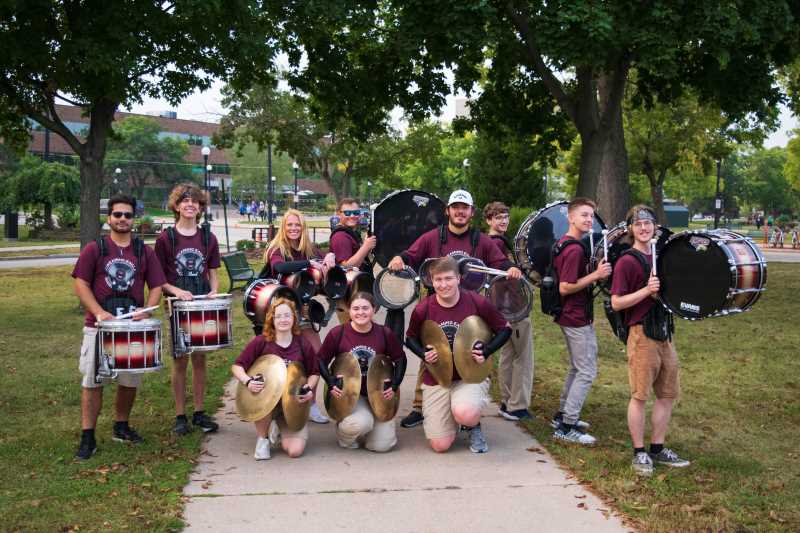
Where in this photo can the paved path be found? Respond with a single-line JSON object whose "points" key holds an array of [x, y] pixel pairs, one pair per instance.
{"points": [[515, 487]]}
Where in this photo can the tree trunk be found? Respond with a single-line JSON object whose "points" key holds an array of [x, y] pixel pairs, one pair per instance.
{"points": [[48, 215], [613, 190], [657, 192], [92, 154], [592, 146]]}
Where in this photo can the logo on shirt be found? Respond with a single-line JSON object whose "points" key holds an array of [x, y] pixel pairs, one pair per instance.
{"points": [[364, 354], [189, 262], [119, 274], [450, 329]]}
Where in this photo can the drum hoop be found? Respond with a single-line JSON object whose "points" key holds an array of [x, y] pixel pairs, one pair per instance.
{"points": [[528, 305], [127, 325], [202, 305], [379, 296]]}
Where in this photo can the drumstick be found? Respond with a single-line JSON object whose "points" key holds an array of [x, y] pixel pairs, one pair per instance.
{"points": [[128, 315], [653, 254], [486, 270], [605, 245], [591, 242]]}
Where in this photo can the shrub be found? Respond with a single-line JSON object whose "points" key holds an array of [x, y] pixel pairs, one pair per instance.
{"points": [[245, 244]]}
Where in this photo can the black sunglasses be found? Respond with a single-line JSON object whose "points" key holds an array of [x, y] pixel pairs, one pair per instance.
{"points": [[120, 214], [351, 212]]}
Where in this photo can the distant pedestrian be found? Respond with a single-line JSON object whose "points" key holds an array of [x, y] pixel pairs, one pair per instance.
{"points": [[262, 211]]}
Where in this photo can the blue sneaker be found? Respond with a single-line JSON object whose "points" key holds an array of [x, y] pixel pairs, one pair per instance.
{"points": [[477, 442]]}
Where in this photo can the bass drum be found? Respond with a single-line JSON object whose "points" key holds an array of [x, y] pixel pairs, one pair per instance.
{"points": [[540, 231], [710, 273], [618, 242], [400, 218]]}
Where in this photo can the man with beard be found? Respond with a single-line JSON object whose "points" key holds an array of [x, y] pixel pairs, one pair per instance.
{"points": [[189, 256], [454, 238], [109, 281]]}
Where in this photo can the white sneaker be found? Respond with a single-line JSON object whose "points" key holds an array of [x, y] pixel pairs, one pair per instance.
{"points": [[316, 415], [574, 436], [352, 446], [262, 449]]}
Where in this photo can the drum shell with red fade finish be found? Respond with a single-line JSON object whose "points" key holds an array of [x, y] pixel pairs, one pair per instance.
{"points": [[259, 295], [204, 325], [132, 346]]}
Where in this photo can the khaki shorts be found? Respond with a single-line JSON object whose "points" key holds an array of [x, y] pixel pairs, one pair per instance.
{"points": [[277, 416], [652, 365], [87, 365], [438, 403]]}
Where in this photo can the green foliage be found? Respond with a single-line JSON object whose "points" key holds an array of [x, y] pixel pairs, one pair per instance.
{"points": [[791, 170], [34, 183], [765, 186], [249, 171], [245, 244]]}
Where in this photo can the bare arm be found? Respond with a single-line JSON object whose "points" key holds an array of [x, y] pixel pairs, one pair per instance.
{"points": [[618, 303], [357, 258], [213, 280]]}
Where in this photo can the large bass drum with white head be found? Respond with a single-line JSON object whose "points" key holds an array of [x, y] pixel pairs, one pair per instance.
{"points": [[400, 218]]}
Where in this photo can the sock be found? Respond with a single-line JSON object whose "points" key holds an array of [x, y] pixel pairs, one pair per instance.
{"points": [[198, 414], [655, 449], [87, 434], [638, 450], [120, 424], [558, 416]]}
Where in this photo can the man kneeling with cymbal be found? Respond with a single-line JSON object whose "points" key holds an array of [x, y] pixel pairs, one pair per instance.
{"points": [[438, 328]]}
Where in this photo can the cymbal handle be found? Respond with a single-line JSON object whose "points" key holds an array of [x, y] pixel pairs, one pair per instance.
{"points": [[339, 382], [387, 385], [259, 377], [305, 389]]}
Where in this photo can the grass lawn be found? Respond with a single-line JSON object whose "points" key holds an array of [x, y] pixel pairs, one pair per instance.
{"points": [[121, 488], [11, 252], [24, 239], [738, 420]]}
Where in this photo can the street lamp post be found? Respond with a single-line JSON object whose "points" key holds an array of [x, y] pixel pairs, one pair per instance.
{"points": [[206, 151], [117, 172], [544, 178], [717, 198], [369, 193], [271, 206], [296, 167], [225, 213]]}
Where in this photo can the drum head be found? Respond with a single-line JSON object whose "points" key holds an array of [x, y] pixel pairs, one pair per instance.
{"points": [[471, 281], [618, 243], [401, 218], [549, 225], [395, 290], [512, 297], [695, 275]]}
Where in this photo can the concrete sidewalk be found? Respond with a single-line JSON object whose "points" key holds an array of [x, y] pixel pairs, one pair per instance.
{"points": [[516, 486]]}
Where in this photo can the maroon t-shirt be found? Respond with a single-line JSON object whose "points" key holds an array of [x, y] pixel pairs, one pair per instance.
{"points": [[630, 277], [189, 258], [571, 265], [378, 340], [117, 273], [298, 350], [343, 246], [428, 245], [501, 244], [450, 318]]}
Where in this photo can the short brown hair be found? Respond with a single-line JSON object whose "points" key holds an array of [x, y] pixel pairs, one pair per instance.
{"points": [[442, 265], [269, 319], [581, 201], [363, 295], [493, 209], [181, 191], [344, 201]]}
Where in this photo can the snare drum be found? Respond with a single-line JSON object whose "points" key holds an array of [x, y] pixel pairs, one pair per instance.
{"points": [[710, 273], [202, 325], [396, 290], [258, 296], [512, 297], [128, 346]]}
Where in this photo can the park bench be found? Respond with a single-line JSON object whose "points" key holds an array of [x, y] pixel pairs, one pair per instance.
{"points": [[238, 268]]}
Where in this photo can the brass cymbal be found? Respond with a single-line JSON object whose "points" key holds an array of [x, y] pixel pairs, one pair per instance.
{"points": [[381, 369], [470, 331], [252, 407], [345, 365], [442, 369], [294, 412]]}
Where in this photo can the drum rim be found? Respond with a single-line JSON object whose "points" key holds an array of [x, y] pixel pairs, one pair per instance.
{"points": [[529, 306], [127, 324], [379, 296], [201, 305]]}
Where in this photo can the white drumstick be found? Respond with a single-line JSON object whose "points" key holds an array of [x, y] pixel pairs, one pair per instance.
{"points": [[653, 254], [605, 245], [591, 242], [128, 315]]}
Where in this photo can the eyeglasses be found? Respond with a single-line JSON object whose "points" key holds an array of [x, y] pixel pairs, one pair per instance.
{"points": [[120, 214], [351, 212]]}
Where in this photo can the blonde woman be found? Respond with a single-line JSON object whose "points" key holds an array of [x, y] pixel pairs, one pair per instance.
{"points": [[291, 251], [281, 337]]}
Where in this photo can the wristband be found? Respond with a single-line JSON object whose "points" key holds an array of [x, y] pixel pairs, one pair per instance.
{"points": [[248, 382]]}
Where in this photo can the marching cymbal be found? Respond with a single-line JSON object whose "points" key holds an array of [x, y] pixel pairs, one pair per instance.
{"points": [[251, 406], [294, 412], [442, 369], [381, 369], [470, 331], [345, 365]]}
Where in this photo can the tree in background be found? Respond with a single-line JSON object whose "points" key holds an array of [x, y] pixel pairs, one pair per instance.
{"points": [[764, 185], [791, 169], [103, 55], [249, 171], [144, 156]]}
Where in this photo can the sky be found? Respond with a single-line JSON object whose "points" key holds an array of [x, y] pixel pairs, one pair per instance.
{"points": [[206, 106]]}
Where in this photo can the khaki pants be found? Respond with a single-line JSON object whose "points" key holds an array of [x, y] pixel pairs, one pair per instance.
{"points": [[361, 424], [515, 370], [438, 404]]}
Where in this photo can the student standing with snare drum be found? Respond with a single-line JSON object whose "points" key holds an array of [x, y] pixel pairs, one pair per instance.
{"points": [[652, 360], [109, 280], [189, 256]]}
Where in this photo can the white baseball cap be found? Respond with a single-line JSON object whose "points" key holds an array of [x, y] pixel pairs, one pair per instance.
{"points": [[460, 196]]}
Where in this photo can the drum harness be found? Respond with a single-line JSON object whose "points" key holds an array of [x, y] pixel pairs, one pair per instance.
{"points": [[658, 323], [121, 300], [194, 284], [474, 239]]}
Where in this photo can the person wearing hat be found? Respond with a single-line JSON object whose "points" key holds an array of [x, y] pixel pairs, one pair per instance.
{"points": [[652, 360], [454, 238]]}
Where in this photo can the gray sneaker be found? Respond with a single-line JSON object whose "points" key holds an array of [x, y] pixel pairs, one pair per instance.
{"points": [[477, 442], [573, 436], [315, 415], [580, 425], [669, 458], [642, 464]]}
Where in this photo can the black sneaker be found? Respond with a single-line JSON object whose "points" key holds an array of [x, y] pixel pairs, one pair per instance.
{"points": [[182, 426], [204, 422], [506, 414], [87, 448], [521, 414], [126, 434], [413, 419]]}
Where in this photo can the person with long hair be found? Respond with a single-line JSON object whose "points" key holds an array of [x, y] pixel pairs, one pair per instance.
{"points": [[290, 251], [365, 339], [281, 337]]}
